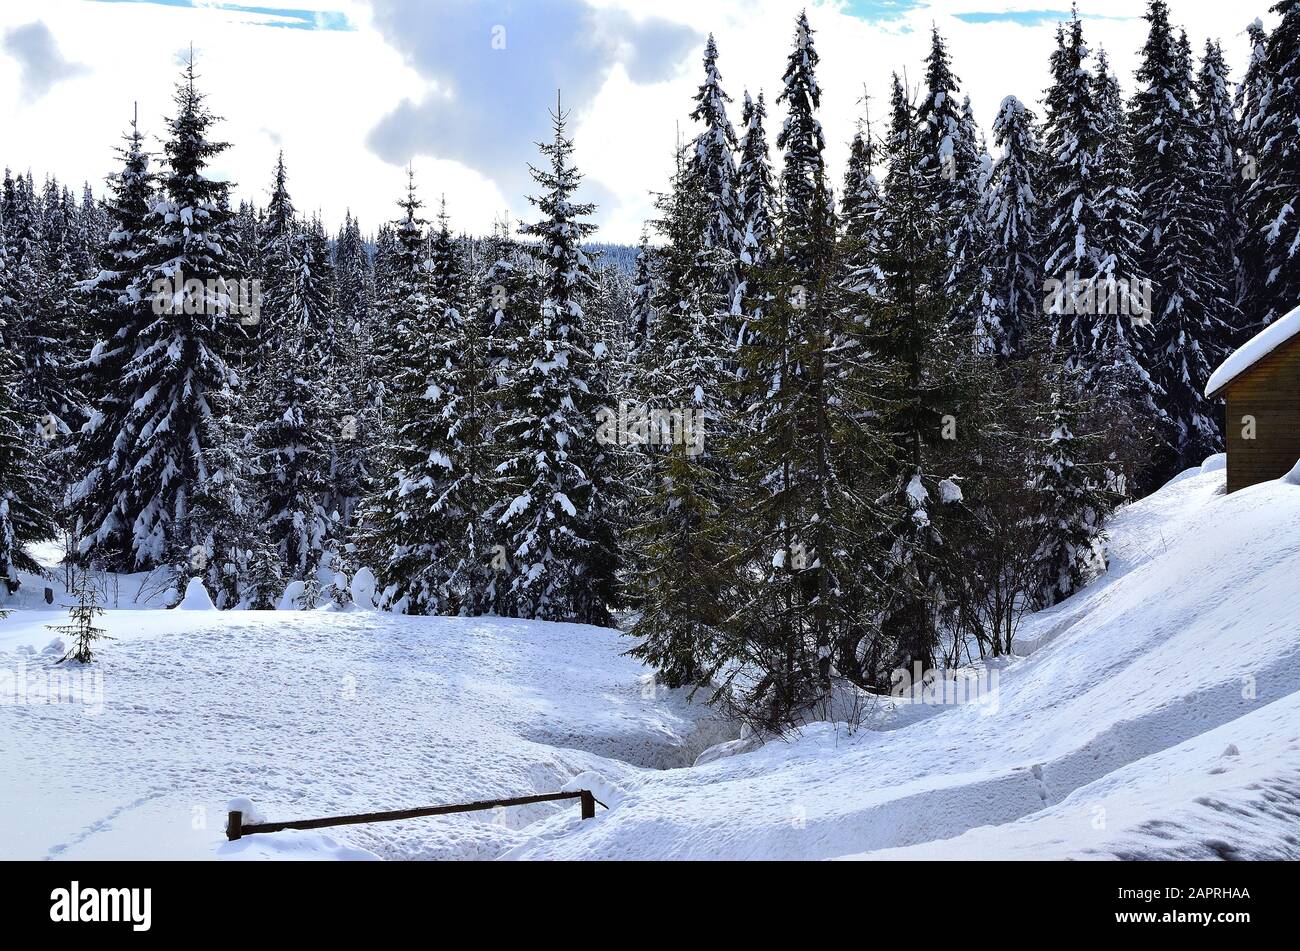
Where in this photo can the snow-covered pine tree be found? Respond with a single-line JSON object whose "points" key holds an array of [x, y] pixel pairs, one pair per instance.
{"points": [[1273, 245], [713, 163], [1220, 147], [25, 515], [1180, 251], [680, 561], [1091, 266], [292, 402], [1014, 222], [803, 142], [946, 160], [410, 531], [1073, 498], [916, 384], [551, 507], [178, 374], [968, 250], [98, 497]]}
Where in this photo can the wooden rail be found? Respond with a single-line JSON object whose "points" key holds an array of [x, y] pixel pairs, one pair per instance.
{"points": [[235, 828]]}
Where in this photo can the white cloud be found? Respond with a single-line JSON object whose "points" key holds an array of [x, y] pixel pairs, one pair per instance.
{"points": [[41, 65], [320, 93]]}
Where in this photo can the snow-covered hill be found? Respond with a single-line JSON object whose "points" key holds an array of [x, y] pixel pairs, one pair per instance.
{"points": [[1157, 714]]}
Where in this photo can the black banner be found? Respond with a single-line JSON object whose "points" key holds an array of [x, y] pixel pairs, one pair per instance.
{"points": [[137, 900]]}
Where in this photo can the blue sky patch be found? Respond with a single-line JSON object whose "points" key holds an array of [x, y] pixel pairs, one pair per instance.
{"points": [[877, 10], [282, 17], [1028, 17]]}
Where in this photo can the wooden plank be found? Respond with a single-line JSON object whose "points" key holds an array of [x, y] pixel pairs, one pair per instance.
{"points": [[234, 832]]}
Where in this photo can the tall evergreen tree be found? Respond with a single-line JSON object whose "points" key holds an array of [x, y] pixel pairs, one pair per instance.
{"points": [[803, 141], [713, 162], [179, 377], [1014, 226], [916, 384], [118, 314], [553, 496], [1180, 252], [25, 515], [1273, 244]]}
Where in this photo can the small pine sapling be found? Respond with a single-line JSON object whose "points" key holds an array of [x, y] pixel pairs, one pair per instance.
{"points": [[81, 629]]}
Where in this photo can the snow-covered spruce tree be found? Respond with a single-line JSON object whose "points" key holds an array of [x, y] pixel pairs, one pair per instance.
{"points": [[641, 316], [917, 385], [36, 333], [713, 164], [1092, 277], [291, 406], [1180, 250], [508, 299], [223, 524], [1072, 493], [25, 515], [1249, 101], [98, 496], [756, 190], [178, 374], [1225, 185], [551, 503], [860, 220], [945, 163], [352, 412], [802, 597], [1273, 245], [802, 140], [968, 249], [680, 561], [410, 532], [1013, 223], [757, 201]]}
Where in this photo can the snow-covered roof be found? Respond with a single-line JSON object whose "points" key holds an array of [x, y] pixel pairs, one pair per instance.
{"points": [[1254, 350]]}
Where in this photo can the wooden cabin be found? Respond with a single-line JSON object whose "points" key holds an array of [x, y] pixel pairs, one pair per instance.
{"points": [[1261, 383]]}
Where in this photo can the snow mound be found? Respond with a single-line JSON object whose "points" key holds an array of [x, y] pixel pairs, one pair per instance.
{"points": [[1216, 463], [291, 600], [363, 589], [196, 598]]}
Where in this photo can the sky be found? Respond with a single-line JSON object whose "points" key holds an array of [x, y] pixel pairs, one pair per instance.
{"points": [[355, 90]]}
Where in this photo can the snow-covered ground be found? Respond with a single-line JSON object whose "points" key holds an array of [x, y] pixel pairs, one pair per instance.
{"points": [[1157, 714]]}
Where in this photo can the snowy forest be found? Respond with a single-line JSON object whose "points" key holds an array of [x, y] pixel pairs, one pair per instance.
{"points": [[811, 432]]}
